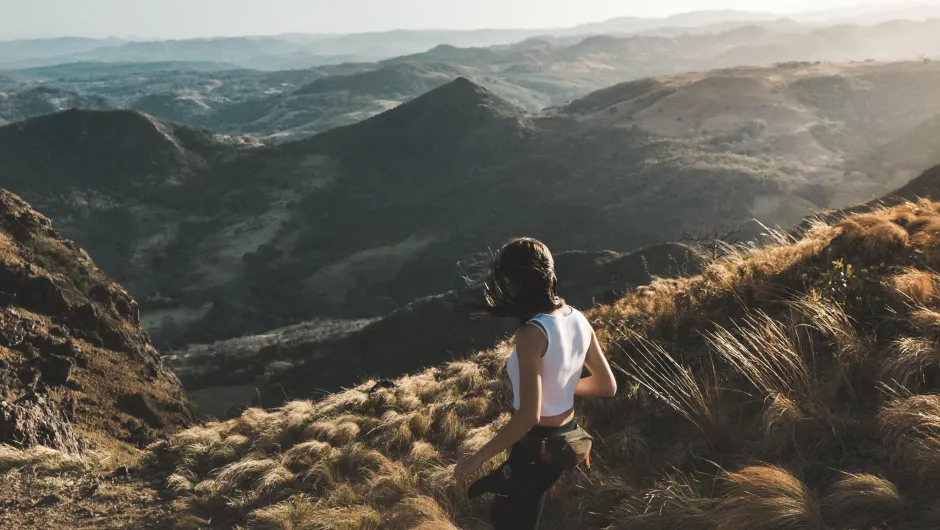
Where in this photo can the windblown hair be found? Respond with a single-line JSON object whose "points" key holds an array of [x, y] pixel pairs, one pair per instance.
{"points": [[522, 282]]}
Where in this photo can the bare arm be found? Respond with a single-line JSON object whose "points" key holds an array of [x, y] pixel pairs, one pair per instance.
{"points": [[530, 346], [601, 382]]}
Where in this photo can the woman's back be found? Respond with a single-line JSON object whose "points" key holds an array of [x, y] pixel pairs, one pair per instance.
{"points": [[569, 337], [545, 367]]}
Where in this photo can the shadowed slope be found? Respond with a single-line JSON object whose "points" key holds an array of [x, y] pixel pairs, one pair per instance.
{"points": [[71, 348]]}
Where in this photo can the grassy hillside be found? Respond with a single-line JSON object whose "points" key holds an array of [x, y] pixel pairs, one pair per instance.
{"points": [[787, 386]]}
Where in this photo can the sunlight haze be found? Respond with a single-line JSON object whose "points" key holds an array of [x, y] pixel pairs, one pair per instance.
{"points": [[202, 18]]}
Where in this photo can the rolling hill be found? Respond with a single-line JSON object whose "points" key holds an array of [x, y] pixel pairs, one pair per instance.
{"points": [[31, 102], [297, 50], [538, 72], [198, 93], [287, 51], [362, 219]]}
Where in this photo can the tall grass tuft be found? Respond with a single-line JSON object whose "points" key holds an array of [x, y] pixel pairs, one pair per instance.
{"points": [[766, 498], [650, 365], [863, 501]]}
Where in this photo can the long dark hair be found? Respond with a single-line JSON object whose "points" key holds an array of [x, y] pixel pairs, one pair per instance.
{"points": [[521, 282]]}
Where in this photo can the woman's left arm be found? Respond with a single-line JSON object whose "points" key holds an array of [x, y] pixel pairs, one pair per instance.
{"points": [[530, 346]]}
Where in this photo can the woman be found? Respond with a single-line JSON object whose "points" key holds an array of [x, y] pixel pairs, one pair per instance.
{"points": [[554, 343]]}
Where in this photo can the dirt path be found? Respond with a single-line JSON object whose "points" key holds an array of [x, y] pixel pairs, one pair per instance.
{"points": [[77, 501]]}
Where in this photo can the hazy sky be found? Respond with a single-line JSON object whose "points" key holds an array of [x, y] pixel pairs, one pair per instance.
{"points": [[189, 18]]}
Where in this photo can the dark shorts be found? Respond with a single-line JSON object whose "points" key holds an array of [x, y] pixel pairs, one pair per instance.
{"points": [[521, 483]]}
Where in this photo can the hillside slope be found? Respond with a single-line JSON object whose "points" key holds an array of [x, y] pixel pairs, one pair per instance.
{"points": [[71, 349], [788, 386]]}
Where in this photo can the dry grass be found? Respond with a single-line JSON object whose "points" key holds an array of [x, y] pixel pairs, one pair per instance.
{"points": [[673, 502], [916, 286], [913, 363], [911, 430], [765, 354], [874, 234], [863, 501], [49, 460], [302, 513], [357, 459], [762, 350], [766, 498], [829, 318], [697, 401]]}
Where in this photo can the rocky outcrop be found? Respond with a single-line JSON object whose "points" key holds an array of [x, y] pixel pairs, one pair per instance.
{"points": [[74, 362]]}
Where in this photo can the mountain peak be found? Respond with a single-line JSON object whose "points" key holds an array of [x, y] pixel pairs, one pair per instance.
{"points": [[462, 92], [460, 113]]}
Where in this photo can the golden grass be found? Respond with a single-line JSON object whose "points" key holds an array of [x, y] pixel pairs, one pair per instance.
{"points": [[829, 318], [909, 361], [762, 349], [927, 321], [750, 353], [419, 513], [697, 401], [863, 501], [766, 352], [45, 459], [300, 512], [874, 235], [916, 286], [766, 498], [911, 430], [672, 503]]}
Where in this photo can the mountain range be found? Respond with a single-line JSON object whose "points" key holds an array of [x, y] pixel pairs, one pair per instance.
{"points": [[305, 50], [535, 73], [220, 236]]}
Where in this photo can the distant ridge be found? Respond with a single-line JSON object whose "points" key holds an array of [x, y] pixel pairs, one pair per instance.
{"points": [[19, 105], [397, 78]]}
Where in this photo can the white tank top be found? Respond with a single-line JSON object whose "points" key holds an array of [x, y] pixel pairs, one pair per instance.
{"points": [[569, 337]]}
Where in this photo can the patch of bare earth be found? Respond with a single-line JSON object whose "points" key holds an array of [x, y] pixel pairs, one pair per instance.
{"points": [[42, 500]]}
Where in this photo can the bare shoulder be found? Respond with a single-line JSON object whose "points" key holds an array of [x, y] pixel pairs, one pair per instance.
{"points": [[530, 338]]}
